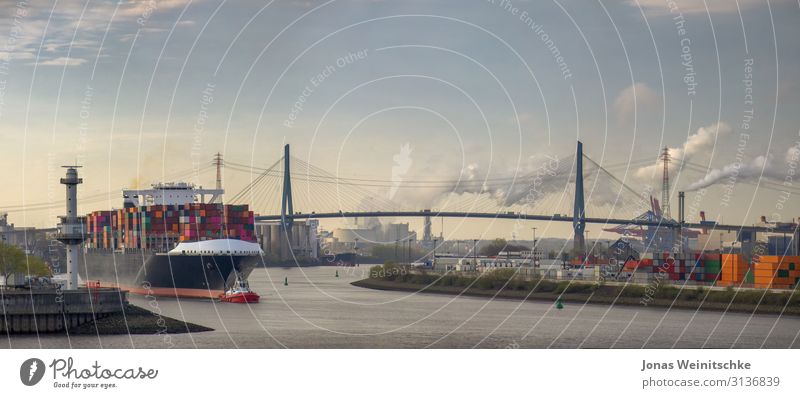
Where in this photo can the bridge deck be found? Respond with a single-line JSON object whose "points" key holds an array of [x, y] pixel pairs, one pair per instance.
{"points": [[526, 217]]}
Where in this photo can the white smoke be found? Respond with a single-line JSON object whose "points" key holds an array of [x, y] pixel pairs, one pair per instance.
{"points": [[402, 163], [698, 143], [736, 171], [474, 179], [759, 167]]}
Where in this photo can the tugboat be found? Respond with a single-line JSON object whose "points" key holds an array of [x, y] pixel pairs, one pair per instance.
{"points": [[239, 293]]}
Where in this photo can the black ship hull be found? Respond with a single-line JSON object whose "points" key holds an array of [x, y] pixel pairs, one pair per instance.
{"points": [[158, 274]]}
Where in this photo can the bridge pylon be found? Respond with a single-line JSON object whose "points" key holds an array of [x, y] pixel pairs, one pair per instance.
{"points": [[578, 210], [287, 210]]}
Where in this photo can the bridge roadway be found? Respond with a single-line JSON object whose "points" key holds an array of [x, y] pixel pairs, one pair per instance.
{"points": [[529, 217]]}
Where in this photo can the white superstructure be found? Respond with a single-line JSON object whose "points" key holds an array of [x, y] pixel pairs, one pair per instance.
{"points": [[217, 247], [171, 193]]}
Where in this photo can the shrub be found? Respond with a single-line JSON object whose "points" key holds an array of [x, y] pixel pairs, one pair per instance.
{"points": [[544, 286], [795, 299], [580, 288], [700, 290], [634, 291], [376, 272], [504, 274], [667, 292], [689, 295], [561, 286], [447, 280], [423, 278], [722, 296], [485, 281], [779, 299], [463, 281]]}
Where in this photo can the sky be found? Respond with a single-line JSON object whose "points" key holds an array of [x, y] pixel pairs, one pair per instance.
{"points": [[398, 91]]}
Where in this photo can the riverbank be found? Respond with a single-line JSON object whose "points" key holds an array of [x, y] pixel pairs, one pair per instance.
{"points": [[137, 320], [757, 302]]}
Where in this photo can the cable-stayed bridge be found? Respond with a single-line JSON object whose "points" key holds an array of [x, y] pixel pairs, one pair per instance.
{"points": [[573, 189]]}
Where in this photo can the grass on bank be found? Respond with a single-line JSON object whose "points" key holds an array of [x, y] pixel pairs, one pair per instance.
{"points": [[507, 279]]}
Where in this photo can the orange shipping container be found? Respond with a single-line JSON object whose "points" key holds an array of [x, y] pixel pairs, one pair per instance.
{"points": [[734, 268], [779, 259], [763, 273], [766, 266]]}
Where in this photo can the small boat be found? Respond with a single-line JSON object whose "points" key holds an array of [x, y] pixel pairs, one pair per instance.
{"points": [[239, 293]]}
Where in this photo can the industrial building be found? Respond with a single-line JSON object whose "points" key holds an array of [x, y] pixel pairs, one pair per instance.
{"points": [[27, 238], [372, 231], [38, 242], [302, 241]]}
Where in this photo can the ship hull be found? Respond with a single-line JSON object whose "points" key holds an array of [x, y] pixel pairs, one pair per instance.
{"points": [[158, 274]]}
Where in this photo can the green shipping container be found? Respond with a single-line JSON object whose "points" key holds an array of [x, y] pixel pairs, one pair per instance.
{"points": [[713, 266]]}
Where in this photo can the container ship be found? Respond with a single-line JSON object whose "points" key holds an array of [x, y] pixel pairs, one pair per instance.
{"points": [[167, 241]]}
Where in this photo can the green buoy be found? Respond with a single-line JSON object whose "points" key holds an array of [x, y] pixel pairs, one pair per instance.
{"points": [[337, 273], [285, 281], [559, 304]]}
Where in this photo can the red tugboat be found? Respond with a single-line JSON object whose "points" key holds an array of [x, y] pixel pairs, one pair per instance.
{"points": [[239, 293]]}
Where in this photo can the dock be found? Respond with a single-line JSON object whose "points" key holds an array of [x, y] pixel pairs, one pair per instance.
{"points": [[55, 310]]}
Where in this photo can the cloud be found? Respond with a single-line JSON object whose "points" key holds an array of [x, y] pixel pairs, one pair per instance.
{"points": [[144, 9], [9, 55], [62, 61], [637, 97], [59, 22], [702, 140], [697, 144], [661, 7]]}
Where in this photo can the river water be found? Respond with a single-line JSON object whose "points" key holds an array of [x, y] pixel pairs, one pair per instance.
{"points": [[319, 310]]}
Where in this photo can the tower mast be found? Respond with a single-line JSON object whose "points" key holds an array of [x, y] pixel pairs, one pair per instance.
{"points": [[665, 184], [218, 163]]}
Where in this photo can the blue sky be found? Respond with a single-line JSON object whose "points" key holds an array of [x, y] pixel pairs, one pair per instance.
{"points": [[469, 85]]}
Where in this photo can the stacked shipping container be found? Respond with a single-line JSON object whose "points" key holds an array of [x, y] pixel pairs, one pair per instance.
{"points": [[735, 270], [98, 227], [776, 272], [681, 269], [771, 272], [712, 265], [727, 269], [162, 226]]}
